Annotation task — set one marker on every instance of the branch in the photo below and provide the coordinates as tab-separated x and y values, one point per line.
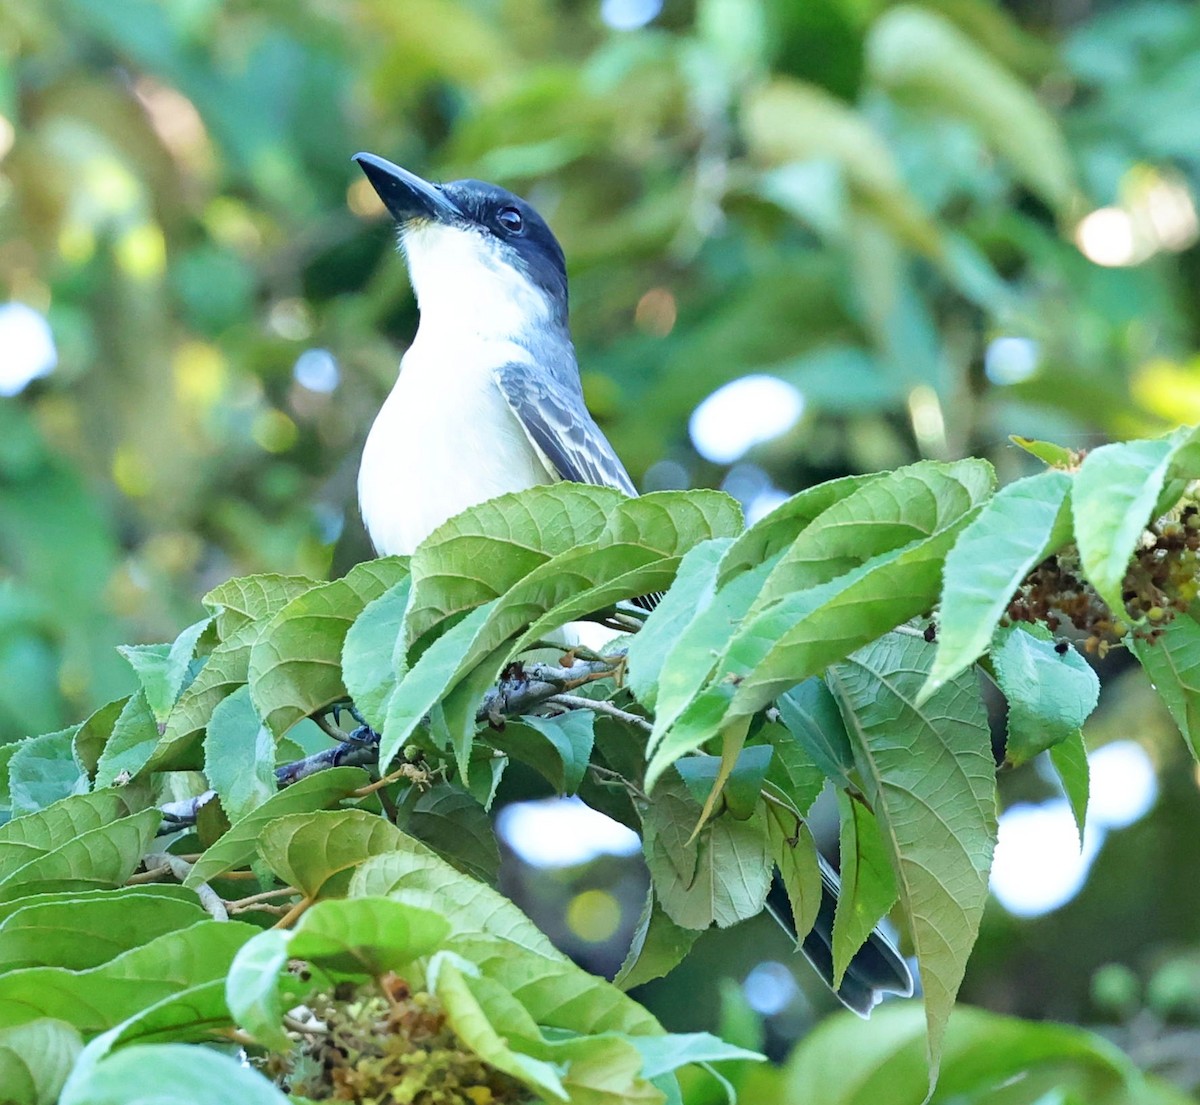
180	868
524	686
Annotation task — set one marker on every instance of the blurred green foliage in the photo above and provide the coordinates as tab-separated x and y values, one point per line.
865	199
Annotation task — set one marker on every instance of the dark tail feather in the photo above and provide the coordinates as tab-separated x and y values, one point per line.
877	967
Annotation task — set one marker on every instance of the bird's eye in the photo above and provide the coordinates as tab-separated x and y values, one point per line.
510	220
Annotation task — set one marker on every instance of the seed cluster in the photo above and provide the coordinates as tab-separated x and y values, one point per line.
378	1045
1160	583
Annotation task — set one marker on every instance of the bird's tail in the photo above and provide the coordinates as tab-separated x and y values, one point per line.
877	967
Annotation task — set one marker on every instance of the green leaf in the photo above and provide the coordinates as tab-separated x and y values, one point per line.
511	949
169	1074
560	748
252	990
191	1014
160	890
237	603
775	531
26	838
604	1070
239	755
1069	758
920	55
94	733
468	1019
479	554
928	774
35	1059
427	681
721	875
811	715
374	650
455	826
1116	493
848	1061
657	948
740	788
242	607
692	592
1023	524
307	850
912	504
868	886
134	738
1050	694
162	669
43	770
296	662
366	935
1057	456
238	845
99	858
84	931
1172	661
792	773
100	997
662	1054
795	854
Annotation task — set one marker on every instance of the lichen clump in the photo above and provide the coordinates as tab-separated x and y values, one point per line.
382	1044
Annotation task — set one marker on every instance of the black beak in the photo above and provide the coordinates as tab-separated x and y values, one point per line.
405	194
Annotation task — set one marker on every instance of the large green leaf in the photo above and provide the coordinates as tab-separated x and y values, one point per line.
1172	661
239	755
888	513
929	776
26	838
658	946
455	826
773	532
811	715
848	1061
128	749
1116	494
920	55
307	850
78	932
100	997
720	875
479	554
868	884
560	748
169	1074
35	1059
43	770
99	858
242	608
691	592
1023	524
555	991
374	651
1050	692
239	845
94	733
161	669
795	854
296	662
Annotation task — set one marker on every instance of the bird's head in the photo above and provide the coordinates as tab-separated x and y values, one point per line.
479	257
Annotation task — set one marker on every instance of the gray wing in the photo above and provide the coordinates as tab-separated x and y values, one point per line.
553	414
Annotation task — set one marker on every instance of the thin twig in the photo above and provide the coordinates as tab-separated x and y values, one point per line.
151	874
292	914
209	898
265	896
577	702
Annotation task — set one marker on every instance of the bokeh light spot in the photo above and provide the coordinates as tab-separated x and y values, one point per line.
316	370
141	252
629	15
770	988
1010	360
1039	865
594	915
656	312
1107	237
27	348
1123	784
274	431
742	414
200	373
563	832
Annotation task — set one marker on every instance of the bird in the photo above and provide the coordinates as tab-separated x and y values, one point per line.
489	400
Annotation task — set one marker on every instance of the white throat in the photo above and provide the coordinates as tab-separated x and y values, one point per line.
465	287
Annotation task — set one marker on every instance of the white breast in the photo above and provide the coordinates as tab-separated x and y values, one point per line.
444	440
